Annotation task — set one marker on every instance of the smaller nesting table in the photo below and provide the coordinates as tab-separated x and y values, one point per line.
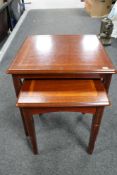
42	96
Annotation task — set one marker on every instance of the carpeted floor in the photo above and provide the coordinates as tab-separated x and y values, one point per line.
62	137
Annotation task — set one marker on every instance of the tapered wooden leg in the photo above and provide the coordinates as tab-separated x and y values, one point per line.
107	80
31	130
96	121
17	86
24	123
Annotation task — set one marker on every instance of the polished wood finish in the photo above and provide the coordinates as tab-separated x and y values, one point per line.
62	93
46	54
41	96
17	85
29	121
62	56
34	110
68	57
96	121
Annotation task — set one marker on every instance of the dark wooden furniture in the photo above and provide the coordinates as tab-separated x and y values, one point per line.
4	21
7	17
41	96
61	57
15	10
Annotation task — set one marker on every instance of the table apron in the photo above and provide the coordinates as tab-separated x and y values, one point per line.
59	76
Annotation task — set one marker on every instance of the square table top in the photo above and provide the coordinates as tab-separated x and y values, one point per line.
44	54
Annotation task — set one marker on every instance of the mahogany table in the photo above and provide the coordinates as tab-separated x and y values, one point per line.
61	57
43	96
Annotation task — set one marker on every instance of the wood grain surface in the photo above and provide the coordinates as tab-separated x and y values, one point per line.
62	93
46	54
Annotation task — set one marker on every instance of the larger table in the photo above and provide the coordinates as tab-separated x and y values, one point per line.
61	57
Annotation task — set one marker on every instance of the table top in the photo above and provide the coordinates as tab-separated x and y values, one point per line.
44	54
62	93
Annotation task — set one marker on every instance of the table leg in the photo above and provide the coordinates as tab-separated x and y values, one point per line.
17	86
107	80
96	121
31	129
